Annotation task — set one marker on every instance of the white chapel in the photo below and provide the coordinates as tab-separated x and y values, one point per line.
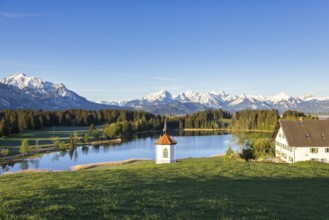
165	148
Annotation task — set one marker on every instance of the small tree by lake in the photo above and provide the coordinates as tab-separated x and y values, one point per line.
4	152
24	148
96	134
71	142
37	147
61	145
230	154
76	138
56	142
85	138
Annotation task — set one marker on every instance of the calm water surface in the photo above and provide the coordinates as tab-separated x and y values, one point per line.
142	147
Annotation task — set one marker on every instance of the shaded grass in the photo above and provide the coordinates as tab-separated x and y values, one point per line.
189	189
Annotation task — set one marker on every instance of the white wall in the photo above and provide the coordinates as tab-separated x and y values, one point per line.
304	154
159	154
282	149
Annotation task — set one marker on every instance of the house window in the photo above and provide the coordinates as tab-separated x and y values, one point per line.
314	150
314	159
165	153
324	160
327	150
279	135
291	159
283	136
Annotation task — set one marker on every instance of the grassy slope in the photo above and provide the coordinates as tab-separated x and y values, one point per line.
191	188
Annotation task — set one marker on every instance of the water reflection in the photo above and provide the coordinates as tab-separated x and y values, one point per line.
24	165
190	144
85	150
35	163
56	157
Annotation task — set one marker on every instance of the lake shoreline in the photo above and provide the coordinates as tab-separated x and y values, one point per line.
109	163
191	144
225	129
20	157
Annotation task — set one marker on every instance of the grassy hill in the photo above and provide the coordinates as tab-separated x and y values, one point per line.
189	189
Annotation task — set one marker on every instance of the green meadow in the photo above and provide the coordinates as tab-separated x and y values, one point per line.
205	188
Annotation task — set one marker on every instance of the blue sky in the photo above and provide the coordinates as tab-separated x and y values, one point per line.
113	50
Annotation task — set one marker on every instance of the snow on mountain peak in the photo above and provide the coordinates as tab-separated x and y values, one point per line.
282	96
21	81
34	85
308	97
19	75
219	93
162	95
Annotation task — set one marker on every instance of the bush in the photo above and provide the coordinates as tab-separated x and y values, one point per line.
61	145
230	154
247	154
24	148
4	152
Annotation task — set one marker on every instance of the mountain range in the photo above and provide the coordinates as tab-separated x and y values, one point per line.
163	102
20	92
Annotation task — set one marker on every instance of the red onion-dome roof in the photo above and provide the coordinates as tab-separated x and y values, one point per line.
165	140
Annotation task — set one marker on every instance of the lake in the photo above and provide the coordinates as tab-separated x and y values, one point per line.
189	144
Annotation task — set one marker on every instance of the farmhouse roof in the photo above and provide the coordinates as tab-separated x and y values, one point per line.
311	133
165	140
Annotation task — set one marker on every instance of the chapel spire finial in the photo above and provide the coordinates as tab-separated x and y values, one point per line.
165	126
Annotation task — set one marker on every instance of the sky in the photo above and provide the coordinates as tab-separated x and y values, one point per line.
115	50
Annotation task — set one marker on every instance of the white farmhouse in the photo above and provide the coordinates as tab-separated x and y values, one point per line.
303	141
165	149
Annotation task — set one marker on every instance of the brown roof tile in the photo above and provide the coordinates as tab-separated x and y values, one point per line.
311	133
165	140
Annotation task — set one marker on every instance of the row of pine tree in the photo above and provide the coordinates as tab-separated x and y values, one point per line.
14	121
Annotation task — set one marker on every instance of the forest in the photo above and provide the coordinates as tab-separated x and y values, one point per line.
14	121
255	120
120	122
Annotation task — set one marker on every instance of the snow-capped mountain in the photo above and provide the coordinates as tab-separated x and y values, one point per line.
114	103
190	101
162	96
205	98
36	87
20	92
